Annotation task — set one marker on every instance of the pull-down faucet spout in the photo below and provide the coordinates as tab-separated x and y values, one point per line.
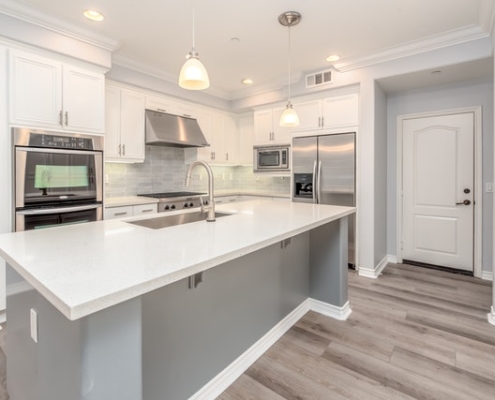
210	207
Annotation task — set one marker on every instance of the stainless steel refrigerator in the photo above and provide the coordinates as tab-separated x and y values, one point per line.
324	172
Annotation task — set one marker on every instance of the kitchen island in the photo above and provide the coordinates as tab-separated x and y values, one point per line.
116	316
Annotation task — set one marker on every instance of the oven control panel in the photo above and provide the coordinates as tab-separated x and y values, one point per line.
61	142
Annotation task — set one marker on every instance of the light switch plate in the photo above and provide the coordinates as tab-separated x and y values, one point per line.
489	187
34	325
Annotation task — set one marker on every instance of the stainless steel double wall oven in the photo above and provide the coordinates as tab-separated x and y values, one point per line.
58	178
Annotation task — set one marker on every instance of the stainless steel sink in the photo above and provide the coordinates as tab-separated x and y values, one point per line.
166	221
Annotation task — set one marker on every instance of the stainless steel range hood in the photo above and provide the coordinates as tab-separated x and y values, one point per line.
170	130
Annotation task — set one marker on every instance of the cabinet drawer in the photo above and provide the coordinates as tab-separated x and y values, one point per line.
145	209
118	212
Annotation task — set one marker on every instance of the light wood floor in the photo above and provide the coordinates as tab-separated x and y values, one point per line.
414	333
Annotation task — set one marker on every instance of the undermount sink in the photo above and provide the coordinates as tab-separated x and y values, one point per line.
167	221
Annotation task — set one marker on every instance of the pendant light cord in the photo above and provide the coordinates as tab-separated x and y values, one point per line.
289	63
193	31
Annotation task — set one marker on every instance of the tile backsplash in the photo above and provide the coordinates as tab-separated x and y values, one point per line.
164	170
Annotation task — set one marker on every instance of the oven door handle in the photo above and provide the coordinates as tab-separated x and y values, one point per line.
58	151
61	210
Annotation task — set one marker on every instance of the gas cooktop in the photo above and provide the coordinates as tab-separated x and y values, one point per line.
167	195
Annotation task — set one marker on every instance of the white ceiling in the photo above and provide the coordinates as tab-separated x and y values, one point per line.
157	34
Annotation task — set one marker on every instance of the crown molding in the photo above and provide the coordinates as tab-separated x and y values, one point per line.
435	42
20	10
486	16
160	74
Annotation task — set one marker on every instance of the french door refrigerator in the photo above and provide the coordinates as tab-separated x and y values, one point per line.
324	172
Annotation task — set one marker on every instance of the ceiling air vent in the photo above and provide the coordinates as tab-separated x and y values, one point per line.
320	78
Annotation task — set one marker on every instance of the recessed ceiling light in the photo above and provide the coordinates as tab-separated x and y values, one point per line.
247	81
436	72
235	40
333	57
93	15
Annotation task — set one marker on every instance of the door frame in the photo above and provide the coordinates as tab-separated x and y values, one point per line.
478	180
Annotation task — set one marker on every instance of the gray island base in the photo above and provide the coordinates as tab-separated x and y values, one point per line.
175	342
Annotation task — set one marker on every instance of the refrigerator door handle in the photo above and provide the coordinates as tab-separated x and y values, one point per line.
318	183
315	183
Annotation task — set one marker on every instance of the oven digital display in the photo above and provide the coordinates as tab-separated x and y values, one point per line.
60	176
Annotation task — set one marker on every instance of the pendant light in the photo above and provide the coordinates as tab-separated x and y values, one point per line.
193	75
289	117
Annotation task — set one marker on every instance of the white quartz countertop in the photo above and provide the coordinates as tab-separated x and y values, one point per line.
82	269
129	201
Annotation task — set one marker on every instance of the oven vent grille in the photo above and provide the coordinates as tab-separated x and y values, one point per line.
319	78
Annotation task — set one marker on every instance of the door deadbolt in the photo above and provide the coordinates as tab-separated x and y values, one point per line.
467	191
464	203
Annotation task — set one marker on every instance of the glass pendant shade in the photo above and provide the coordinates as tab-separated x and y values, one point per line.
289	117
193	75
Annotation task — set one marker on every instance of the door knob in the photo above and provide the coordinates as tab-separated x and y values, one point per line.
464	203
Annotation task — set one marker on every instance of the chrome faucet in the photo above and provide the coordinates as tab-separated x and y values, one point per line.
210	207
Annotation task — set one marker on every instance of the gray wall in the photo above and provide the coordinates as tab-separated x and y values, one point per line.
468	94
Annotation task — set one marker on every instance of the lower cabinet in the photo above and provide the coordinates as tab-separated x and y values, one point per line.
130	211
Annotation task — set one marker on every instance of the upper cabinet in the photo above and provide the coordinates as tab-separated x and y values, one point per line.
124	136
267	129
330	113
245	132
45	93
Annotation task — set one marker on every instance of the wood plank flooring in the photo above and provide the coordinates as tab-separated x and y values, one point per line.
414	333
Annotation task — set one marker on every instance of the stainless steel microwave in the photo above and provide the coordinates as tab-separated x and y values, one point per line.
271	158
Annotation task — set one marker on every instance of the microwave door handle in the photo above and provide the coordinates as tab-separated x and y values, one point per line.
61	210
315	182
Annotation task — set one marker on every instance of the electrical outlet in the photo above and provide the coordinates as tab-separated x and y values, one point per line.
107	179
33	318
223	177
231	176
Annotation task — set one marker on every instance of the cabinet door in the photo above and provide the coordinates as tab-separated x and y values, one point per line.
310	114
112	123
217	144
230	141
204	121
35	91
83	100
341	112
281	134
132	125
156	103
246	140
263	127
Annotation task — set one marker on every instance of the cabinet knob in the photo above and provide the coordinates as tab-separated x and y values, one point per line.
120	149
66	118
60	121
123	149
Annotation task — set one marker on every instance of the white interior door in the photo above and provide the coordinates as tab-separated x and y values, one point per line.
438	190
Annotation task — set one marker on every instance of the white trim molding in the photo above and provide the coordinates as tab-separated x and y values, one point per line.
487	275
224	379
374	273
491	316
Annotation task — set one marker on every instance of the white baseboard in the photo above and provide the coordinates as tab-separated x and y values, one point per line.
339	313
3	317
392	259
487	276
227	377
375	273
491	316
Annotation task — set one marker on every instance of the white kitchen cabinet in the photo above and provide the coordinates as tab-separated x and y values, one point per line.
267	129
221	133
225	199
330	113
245	134
130	211
124	136
341	112
118	212
160	104
45	93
